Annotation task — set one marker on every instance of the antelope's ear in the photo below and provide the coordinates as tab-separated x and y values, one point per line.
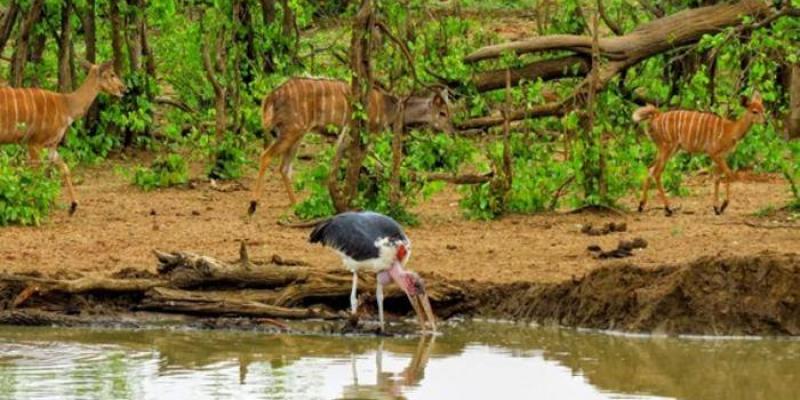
107	65
756	97
744	101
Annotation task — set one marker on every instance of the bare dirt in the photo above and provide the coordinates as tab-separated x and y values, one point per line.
698	273
118	226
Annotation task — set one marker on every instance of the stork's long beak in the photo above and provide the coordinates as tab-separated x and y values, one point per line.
422	307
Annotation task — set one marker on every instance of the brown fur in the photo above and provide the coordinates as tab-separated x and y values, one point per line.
695	132
304	105
39	118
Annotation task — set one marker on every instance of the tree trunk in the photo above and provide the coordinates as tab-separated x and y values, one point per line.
116	36
7	24
268	16
92	117
361	87
20	57
132	38
147	52
211	75
245	33
64	43
35	55
793	120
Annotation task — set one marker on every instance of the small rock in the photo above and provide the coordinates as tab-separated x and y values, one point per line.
195	212
451	247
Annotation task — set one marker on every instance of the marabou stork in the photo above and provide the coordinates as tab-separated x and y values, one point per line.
375	242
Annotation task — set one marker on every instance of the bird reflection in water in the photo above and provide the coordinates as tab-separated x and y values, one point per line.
390	385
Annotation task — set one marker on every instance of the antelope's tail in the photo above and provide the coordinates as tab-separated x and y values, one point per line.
267	114
644	113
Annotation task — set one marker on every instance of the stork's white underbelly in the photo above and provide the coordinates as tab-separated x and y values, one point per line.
384	260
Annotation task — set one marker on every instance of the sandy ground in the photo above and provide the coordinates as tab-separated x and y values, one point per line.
115	228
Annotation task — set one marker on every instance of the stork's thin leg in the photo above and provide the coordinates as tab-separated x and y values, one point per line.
379	296
353	298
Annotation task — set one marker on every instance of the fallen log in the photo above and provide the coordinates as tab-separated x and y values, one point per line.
544	110
221	305
649	39
197	285
564	67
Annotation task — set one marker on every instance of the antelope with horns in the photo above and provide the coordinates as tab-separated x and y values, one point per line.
39	118
698	133
312	105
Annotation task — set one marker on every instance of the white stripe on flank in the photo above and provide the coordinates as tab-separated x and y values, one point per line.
323	112
690	128
16	110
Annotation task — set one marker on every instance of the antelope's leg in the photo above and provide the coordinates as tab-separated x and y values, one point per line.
723	166
264	160
286	171
56	159
34	156
646	185
717	177
657	171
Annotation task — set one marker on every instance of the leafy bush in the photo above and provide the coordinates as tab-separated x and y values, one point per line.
27	196
229	161
163	172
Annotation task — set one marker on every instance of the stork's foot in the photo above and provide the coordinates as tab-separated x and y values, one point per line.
641	206
722	208
252	209
73	207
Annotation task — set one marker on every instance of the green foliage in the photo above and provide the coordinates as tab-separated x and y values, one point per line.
27	196
230	160
313	180
165	171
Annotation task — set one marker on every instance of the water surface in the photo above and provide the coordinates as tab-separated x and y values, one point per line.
470	361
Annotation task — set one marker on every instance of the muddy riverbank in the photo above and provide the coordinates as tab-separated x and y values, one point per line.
712	295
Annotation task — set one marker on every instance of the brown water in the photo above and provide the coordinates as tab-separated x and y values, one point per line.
469	361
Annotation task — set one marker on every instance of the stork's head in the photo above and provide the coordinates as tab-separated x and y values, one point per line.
414	287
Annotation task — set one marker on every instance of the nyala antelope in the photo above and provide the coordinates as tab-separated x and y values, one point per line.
304	105
697	133
39	118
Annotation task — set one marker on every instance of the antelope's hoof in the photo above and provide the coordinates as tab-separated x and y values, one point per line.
73	207
667	211
641	206
252	209
724	206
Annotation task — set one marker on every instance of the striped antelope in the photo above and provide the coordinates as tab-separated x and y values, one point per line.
39	118
312	105
698	133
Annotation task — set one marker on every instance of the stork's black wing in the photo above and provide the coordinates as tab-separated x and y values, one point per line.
355	233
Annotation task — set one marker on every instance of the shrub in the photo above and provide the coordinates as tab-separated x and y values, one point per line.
163	172
27	196
229	161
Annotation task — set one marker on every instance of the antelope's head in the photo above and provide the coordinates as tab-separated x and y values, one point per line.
107	79
755	107
433	111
